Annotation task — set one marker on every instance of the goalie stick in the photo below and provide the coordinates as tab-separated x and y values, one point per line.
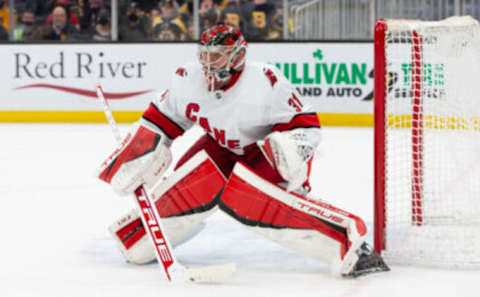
152	222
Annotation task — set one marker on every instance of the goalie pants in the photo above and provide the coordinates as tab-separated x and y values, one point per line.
225	159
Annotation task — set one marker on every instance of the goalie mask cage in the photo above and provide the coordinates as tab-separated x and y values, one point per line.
427	142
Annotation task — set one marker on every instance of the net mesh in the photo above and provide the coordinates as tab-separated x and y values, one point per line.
432	138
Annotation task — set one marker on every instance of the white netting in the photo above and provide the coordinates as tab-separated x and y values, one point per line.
438	225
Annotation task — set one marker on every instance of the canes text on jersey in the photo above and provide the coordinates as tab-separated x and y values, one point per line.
218	134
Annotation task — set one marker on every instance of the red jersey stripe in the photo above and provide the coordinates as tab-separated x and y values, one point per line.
301	120
161	121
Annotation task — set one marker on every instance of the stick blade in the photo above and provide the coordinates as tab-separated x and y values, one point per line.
210	274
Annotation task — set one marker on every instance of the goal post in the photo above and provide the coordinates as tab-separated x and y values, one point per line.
427	141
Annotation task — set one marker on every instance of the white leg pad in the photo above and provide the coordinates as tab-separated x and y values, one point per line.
136	246
184	200
309	227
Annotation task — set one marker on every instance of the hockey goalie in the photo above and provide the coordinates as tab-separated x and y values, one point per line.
253	162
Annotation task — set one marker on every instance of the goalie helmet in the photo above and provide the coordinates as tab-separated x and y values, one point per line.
221	53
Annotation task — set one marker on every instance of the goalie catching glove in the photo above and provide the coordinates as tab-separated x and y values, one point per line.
142	158
289	152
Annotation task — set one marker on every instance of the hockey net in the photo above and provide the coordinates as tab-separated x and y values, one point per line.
427	142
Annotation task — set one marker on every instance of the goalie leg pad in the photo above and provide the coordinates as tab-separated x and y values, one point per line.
184	200
134	244
312	228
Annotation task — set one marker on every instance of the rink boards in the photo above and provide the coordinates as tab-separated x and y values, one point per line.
52	83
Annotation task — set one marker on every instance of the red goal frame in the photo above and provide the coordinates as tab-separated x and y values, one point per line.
380	124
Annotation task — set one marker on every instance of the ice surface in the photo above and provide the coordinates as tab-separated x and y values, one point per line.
54	215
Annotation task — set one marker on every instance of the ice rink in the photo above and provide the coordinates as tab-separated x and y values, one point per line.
55	213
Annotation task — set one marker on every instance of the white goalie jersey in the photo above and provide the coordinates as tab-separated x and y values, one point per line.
259	101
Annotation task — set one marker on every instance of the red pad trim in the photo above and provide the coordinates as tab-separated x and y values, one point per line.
359	224
196	192
144	141
131	233
267	151
161	121
302	120
253	207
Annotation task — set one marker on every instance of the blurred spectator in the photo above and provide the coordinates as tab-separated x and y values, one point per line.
276	26
185	10
41	9
232	14
154	13
3	34
205	5
185	7
220	4
144	5
142	20
169	10
4	15
167	31
168	24
133	25
259	18
59	29
208	14
88	11
23	30
72	17
102	30
19	6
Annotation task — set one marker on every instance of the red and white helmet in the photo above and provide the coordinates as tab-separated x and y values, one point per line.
221	53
